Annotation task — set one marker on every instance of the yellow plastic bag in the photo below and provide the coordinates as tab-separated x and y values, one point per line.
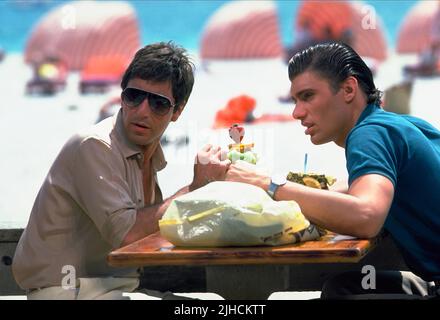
234	214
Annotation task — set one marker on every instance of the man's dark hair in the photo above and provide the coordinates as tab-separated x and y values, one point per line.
335	62
163	61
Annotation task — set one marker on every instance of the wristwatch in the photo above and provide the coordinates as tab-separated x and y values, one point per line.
275	182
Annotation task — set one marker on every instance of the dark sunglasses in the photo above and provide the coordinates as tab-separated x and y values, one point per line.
159	104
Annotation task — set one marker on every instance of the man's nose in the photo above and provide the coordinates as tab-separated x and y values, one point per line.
144	108
298	112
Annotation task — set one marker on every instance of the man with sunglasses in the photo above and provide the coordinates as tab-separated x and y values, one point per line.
102	192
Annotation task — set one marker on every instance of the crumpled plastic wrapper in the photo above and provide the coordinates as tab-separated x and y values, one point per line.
234	214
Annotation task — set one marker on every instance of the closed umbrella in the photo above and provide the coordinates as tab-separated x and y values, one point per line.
324	19
368	40
419	28
342	21
76	31
242	29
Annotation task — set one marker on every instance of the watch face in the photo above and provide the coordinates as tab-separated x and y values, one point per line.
279	179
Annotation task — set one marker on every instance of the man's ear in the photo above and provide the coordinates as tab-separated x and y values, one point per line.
350	88
176	114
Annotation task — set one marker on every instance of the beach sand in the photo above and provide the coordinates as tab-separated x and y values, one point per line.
33	129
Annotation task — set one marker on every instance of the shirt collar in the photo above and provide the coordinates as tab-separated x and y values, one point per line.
130	149
369	109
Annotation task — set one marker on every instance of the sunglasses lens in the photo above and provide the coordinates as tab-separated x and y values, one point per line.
133	97
159	105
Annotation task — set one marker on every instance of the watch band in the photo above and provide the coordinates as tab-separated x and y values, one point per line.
275	182
272	189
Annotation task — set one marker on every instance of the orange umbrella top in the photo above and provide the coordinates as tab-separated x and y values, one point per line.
105	65
342	21
325	19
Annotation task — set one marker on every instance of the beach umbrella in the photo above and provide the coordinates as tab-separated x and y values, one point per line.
76	31
418	28
343	20
242	29
368	39
324	19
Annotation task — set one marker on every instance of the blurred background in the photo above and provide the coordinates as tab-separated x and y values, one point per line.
61	63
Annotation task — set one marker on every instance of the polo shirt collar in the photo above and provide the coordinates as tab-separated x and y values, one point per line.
369	109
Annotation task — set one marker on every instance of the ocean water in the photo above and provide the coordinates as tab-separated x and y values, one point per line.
181	21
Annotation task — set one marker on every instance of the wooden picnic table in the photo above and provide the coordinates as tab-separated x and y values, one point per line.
243	272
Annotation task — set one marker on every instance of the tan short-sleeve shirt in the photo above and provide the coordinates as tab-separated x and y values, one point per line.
85	207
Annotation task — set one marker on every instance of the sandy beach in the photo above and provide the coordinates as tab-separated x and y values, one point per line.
33	129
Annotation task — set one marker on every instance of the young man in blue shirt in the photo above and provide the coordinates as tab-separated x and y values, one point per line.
392	162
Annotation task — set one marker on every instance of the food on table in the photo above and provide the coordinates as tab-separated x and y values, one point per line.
318	181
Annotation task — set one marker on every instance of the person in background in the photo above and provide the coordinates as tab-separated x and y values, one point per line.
392	162
102	192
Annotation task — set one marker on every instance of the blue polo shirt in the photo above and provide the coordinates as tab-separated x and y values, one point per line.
406	150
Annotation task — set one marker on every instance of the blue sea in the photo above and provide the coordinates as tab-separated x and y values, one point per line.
181	21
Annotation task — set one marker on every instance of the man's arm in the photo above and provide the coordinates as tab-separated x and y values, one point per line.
360	212
147	219
340	186
210	165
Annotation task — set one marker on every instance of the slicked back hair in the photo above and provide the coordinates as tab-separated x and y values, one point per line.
160	62
335	62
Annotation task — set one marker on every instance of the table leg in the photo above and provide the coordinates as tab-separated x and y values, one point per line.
247	282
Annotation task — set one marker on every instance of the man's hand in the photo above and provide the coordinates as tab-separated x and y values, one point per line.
211	164
246	173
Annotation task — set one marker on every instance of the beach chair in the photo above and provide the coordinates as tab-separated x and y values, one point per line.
49	77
